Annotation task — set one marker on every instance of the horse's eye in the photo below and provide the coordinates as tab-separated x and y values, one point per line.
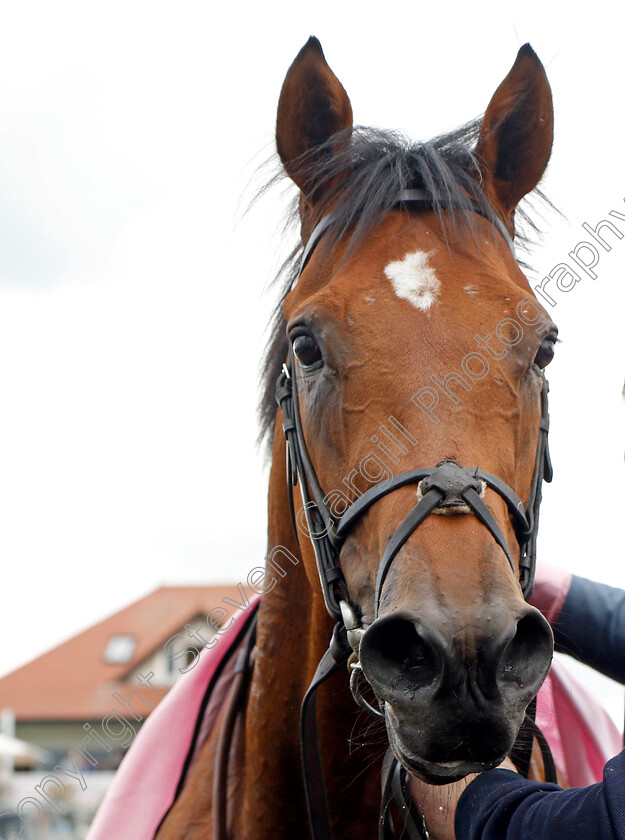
307	351
545	351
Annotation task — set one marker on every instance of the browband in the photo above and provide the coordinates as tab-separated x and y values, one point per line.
413	196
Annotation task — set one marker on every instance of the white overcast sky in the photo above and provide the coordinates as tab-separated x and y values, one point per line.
131	289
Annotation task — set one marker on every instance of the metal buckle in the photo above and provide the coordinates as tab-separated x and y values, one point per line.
353	626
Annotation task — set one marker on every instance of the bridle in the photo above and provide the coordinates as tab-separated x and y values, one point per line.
445	486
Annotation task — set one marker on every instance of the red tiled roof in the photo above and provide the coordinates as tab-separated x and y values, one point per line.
72	682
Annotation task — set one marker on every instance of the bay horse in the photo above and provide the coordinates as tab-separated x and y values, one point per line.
409	353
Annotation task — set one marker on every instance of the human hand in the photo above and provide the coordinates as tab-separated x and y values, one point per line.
437	804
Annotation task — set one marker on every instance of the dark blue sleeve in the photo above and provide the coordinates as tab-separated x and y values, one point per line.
591	627
501	805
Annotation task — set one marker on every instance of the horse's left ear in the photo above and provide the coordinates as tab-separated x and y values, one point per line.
516	136
313	107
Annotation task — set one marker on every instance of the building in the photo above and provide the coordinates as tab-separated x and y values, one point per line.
90	695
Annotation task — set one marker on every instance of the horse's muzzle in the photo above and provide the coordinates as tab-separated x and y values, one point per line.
455	697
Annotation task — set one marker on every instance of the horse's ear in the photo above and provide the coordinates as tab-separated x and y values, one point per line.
313	107
515	139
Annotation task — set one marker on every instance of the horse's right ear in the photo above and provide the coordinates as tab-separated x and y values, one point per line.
313	107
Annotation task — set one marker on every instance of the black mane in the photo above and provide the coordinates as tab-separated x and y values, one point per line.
370	172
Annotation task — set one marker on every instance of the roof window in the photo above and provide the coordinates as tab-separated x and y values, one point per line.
119	649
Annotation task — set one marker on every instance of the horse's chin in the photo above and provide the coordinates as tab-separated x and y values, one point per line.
438	773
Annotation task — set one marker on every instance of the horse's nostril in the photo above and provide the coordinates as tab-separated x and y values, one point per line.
408	662
396	656
527	656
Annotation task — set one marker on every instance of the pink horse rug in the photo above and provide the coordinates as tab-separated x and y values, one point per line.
580	733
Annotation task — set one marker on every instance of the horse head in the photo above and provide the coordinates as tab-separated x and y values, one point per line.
414	340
